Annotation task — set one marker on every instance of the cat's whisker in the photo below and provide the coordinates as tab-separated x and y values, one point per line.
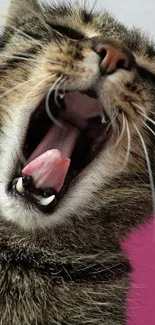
144	115
32	39
56	31
26	35
112	120
128	141
152	185
53	119
48	76
21	32
122	131
139	107
94	5
148	127
148	118
57	91
50	61
30	58
23	83
30	55
17	57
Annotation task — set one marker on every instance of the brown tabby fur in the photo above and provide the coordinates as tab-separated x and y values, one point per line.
74	272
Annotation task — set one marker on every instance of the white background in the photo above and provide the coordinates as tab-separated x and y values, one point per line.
140	13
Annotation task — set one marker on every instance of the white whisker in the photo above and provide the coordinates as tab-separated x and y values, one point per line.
148	166
56	31
40	59
57	90
14	56
53	119
129	142
48	76
149	128
111	120
144	115
142	109
126	124
114	118
122	131
4	16
26	35
21	84
30	58
148	118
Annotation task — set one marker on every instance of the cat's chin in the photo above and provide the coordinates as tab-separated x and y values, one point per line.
63	144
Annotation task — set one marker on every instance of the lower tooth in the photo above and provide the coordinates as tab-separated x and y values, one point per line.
19	186
47	201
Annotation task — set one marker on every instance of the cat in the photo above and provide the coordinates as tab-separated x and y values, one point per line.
76	162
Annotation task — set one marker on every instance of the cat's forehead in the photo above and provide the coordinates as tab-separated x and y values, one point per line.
81	19
28	16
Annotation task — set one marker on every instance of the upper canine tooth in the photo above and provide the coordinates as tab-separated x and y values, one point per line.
62	96
103	119
47	201
19	185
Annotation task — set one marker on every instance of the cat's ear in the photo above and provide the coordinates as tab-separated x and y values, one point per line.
18	8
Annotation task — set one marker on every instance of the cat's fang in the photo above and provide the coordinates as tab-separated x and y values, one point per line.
19	186
103	119
61	96
47	201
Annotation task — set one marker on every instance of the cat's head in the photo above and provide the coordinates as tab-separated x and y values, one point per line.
80	83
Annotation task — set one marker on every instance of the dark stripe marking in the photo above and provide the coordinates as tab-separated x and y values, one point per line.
146	74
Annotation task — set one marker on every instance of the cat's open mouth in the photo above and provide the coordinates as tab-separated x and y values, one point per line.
65	133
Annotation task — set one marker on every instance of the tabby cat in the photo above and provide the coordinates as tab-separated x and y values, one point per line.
77	94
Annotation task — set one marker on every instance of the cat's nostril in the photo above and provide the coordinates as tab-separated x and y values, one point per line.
114	55
103	54
121	64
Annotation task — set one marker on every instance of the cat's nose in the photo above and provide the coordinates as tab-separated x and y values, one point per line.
114	55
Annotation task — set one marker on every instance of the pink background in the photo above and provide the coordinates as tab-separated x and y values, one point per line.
140	249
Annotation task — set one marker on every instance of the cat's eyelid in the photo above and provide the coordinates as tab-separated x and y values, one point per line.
67	32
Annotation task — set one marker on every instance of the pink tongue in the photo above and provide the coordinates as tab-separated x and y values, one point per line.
49	163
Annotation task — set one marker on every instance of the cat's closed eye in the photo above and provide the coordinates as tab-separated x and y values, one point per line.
68	32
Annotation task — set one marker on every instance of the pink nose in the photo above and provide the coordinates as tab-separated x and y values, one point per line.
114	55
